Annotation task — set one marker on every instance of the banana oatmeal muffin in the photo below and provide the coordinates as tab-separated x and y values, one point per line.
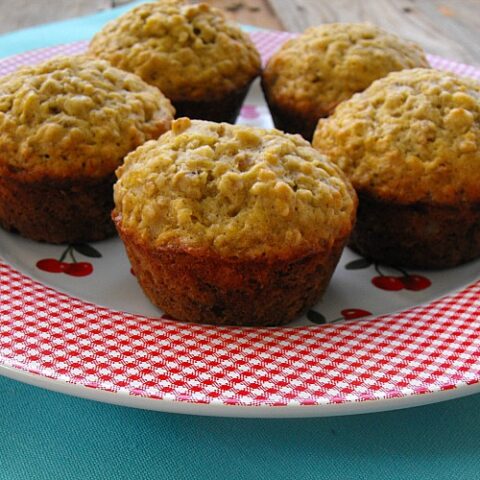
230	224
311	74
200	61
410	144
65	126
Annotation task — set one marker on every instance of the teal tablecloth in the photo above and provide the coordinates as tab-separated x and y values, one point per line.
49	436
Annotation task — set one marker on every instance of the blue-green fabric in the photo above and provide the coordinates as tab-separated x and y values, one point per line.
49	436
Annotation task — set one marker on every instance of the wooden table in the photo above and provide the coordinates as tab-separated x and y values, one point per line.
444	27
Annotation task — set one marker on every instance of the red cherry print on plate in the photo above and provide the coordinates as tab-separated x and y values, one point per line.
387	282
64	266
51	265
80	269
75	269
352	313
415	282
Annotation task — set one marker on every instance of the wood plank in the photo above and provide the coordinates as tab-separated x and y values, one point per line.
444	27
28	13
251	12
25	13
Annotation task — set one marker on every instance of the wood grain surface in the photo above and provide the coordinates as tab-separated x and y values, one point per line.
251	12
444	27
16	14
450	28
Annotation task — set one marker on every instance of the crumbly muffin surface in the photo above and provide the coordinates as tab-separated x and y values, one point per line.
413	136
188	51
327	64
76	116
233	190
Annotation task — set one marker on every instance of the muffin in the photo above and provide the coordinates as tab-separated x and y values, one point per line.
311	74
65	126
410	144
231	224
200	61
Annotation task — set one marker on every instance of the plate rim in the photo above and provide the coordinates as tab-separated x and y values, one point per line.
125	399
223	409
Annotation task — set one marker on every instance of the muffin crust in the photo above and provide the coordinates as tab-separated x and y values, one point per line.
195	285
417	235
58	211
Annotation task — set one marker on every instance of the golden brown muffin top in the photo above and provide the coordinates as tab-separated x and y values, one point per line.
190	52
233	190
413	136
76	116
327	64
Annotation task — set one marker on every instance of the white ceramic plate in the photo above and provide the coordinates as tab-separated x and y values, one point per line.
90	331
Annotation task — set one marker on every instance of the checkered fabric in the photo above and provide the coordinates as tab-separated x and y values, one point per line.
422	350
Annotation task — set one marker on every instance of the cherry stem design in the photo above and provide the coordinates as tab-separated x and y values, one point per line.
403	272
65	253
377	269
398	269
68	251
